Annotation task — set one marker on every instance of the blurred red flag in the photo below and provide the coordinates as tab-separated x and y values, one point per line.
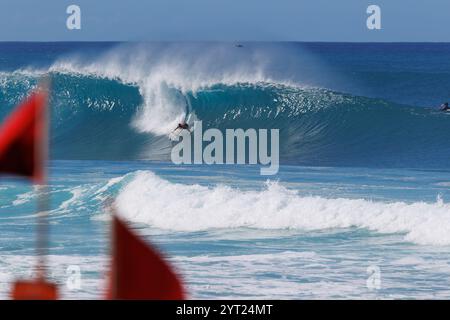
138	271
23	150
23	137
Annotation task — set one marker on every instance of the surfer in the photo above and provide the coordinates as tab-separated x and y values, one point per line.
445	107
182	126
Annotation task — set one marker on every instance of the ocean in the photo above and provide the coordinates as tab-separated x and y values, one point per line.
359	208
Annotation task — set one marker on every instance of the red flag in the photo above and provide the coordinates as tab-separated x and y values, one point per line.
23	138
138	271
23	150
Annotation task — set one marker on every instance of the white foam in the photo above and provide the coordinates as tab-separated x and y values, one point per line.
24	198
77	193
173	206
93	271
99	194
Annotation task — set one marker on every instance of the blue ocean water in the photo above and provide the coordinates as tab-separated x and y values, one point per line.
363	184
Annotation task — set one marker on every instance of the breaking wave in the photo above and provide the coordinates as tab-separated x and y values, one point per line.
149	199
122	106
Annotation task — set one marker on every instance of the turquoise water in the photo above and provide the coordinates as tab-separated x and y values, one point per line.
206	220
363	184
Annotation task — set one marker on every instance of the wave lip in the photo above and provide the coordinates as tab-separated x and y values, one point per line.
149	199
164	74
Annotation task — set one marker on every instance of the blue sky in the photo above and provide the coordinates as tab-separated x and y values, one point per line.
225	20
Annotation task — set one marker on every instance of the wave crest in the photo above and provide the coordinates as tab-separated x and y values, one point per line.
149	199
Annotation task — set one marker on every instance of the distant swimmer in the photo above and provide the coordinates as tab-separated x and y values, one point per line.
445	107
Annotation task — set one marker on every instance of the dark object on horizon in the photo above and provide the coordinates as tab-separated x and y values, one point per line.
445	107
239	45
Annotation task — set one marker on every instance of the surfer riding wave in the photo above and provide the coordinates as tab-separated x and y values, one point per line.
186	124
183	125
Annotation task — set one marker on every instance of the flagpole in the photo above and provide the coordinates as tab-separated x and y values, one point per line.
43	195
27	127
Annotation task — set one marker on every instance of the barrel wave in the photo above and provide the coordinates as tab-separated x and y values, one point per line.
97	117
120	103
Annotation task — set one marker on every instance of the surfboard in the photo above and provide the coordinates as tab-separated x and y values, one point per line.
173	136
